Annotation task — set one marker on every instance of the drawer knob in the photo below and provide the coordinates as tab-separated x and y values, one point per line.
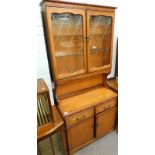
84	116
77	119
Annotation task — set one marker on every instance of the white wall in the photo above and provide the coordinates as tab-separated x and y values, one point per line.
42	62
114	46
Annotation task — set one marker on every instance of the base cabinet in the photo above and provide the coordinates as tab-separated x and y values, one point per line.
97	125
105	121
80	133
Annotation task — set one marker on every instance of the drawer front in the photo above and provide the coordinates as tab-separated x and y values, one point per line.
105	106
79	117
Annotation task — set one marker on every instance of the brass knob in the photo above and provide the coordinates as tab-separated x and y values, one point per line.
84	38
94	47
84	116
88	38
109	106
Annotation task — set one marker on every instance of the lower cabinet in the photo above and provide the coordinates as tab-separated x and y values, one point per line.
105	121
87	125
80	133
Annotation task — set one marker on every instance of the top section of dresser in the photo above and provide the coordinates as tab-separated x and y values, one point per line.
85	100
79	39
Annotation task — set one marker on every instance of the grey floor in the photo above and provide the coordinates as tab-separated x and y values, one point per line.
107	145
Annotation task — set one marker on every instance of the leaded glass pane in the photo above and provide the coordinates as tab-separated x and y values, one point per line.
68	42
100	40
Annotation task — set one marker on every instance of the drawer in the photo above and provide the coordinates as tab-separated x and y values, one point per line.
79	117
105	105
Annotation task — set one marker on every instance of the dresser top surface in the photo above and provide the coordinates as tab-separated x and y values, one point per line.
85	100
77	3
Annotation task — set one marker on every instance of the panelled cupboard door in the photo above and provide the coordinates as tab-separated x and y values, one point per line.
105	121
80	133
100	40
66	30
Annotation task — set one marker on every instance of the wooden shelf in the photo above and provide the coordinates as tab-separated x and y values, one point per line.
63	54
98	50
100	34
68	35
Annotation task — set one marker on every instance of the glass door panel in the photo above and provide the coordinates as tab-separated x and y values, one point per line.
99	45
68	31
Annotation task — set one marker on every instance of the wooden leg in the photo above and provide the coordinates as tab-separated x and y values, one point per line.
38	149
71	153
52	146
63	140
61	145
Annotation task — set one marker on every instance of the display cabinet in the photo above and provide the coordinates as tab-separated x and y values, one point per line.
79	41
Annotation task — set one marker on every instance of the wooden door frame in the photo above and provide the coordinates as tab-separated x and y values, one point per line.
110	14
102	114
48	12
91	121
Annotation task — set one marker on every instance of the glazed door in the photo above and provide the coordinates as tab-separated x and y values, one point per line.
66	30
80	133
99	45
105	121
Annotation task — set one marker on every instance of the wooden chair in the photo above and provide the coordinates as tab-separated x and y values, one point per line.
49	121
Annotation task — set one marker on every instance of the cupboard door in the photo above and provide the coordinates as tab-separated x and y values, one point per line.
105	121
100	40
66	30
80	133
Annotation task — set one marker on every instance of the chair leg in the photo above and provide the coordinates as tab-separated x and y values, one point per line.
52	146
38	150
63	140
